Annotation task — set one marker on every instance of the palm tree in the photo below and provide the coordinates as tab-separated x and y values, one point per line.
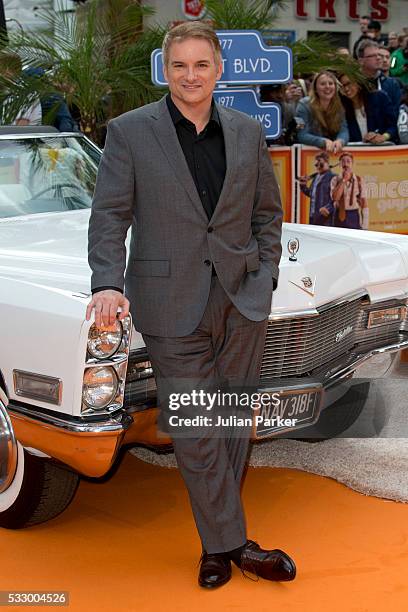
99	60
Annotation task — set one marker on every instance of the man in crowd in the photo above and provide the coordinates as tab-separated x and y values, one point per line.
321	203
393	43
385	60
364	21
206	217
349	197
374	30
370	60
399	60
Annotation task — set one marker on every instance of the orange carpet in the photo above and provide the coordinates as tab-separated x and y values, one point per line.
130	545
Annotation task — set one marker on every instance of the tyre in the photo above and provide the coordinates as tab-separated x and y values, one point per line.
39	491
338	417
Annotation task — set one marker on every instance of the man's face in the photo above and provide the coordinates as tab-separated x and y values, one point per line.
385	59
364	25
322	165
371	62
392	40
192	71
374	33
347	163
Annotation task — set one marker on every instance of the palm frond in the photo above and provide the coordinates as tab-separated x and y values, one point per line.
317	53
244	14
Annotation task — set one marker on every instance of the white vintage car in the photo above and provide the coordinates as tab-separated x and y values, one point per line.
73	398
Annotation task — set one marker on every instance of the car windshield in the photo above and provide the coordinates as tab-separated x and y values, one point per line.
46	174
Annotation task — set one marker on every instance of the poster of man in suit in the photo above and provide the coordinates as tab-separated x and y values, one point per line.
317	187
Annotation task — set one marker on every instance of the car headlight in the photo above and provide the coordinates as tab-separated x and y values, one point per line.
103	343
100	386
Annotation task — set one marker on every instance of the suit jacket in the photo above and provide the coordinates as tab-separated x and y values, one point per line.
322	198
144	181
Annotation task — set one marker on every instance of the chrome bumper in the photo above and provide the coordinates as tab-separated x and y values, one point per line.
89	448
92	447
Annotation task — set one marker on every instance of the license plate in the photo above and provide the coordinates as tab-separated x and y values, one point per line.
286	411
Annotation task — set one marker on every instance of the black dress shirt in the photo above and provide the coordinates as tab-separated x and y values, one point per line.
205	156
204	153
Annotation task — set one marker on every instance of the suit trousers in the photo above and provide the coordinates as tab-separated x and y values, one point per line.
223	353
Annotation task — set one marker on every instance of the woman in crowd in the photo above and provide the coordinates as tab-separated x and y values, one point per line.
369	114
320	116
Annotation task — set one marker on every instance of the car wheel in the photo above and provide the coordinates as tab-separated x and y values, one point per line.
39	491
338	417
33	489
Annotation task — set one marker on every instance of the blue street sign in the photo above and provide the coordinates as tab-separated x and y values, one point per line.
246	101
246	60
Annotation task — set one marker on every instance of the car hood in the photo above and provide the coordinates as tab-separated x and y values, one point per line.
47	249
51	250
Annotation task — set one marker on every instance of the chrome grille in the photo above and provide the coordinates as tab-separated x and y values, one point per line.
300	345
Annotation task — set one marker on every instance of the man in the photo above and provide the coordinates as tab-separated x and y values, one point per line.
370	61
393	43
374	30
348	193
385	60
195	181
321	203
363	22
399	60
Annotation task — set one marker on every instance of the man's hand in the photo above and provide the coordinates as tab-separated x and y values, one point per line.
303	180
106	304
324	211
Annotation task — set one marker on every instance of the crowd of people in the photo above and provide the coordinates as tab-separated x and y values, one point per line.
330	110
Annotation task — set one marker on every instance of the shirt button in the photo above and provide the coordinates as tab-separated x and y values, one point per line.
207	262
204	192
210	229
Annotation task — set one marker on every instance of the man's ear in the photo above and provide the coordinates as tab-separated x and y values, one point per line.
219	70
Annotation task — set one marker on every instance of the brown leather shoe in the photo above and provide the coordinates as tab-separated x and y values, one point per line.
268	564
215	570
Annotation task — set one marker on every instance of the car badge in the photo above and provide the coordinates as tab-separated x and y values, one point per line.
293	247
344	333
308	284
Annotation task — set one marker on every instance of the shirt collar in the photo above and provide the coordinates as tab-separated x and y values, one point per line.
177	115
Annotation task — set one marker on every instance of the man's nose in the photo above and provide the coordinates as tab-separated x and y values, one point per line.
191	73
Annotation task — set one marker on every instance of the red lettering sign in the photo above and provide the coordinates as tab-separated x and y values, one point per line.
300	9
353	9
379	10
193	9
326	9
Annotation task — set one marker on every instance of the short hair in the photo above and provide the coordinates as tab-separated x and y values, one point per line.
374	25
366	17
369	42
346	154
192	29
323	155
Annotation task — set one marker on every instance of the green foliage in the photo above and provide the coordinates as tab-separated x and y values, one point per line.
317	53
98	59
243	14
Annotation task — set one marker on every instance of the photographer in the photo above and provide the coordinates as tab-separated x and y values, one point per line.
399	60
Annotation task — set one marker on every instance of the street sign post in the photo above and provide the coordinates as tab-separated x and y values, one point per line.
246	60
246	101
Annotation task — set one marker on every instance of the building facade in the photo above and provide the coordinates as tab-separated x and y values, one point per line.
339	18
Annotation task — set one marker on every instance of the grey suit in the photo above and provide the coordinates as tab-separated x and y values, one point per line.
144	180
198	328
